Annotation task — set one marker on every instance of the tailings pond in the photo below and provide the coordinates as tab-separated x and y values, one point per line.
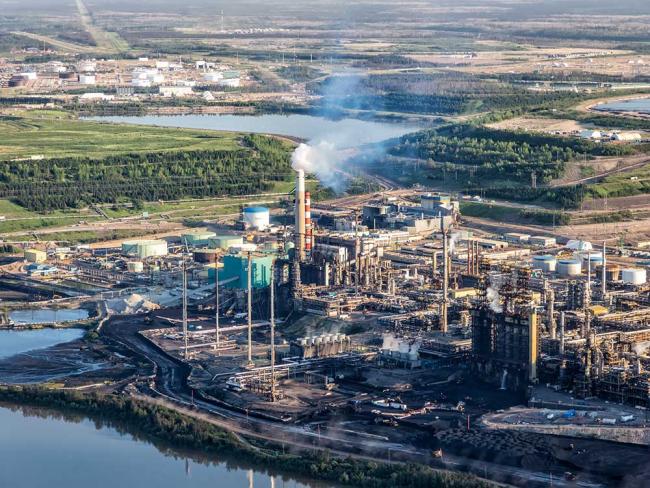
45	449
636	105
13	342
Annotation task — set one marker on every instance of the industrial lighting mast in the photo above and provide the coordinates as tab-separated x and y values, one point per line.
216	313
250	310
185	308
445	277
272	332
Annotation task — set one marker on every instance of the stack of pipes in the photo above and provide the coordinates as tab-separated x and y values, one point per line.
473	254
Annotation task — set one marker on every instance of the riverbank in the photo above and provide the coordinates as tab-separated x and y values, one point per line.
184	432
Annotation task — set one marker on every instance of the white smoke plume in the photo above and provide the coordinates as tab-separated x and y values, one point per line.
322	159
452	242
494	299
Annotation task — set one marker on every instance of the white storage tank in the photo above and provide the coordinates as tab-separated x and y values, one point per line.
546	262
257	217
212	76
569	267
634	276
86	79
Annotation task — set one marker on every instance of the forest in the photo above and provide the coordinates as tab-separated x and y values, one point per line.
65	182
492	154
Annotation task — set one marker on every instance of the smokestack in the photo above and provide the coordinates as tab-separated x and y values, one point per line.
185	309
308	227
300	214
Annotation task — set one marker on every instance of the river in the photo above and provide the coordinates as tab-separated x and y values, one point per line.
42	449
342	132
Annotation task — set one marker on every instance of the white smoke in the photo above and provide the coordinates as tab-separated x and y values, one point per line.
494	299
322	159
452	242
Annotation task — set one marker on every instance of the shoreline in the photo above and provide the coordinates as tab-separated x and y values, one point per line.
185	432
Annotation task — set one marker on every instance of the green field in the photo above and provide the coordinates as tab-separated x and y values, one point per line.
47	137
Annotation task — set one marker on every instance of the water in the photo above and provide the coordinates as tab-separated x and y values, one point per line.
41	449
641	105
345	132
14	342
47	316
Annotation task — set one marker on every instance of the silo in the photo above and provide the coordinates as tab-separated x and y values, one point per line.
634	276
257	217
569	267
546	262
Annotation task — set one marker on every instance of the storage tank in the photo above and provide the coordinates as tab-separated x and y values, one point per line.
569	267
224	241
35	256
595	257
634	276
85	79
144	248
205	255
212	76
197	239
257	217
135	266
547	263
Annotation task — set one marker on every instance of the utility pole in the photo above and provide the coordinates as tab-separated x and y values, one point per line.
185	308
216	313
250	310
273	332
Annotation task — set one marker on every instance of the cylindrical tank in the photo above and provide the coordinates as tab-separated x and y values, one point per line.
634	276
86	79
212	76
569	267
257	217
197	239
205	255
135	266
144	248
546	263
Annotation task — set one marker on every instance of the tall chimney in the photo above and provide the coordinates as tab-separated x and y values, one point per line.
300	215
562	324
308	227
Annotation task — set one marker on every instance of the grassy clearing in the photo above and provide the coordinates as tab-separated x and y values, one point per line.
635	182
26	137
